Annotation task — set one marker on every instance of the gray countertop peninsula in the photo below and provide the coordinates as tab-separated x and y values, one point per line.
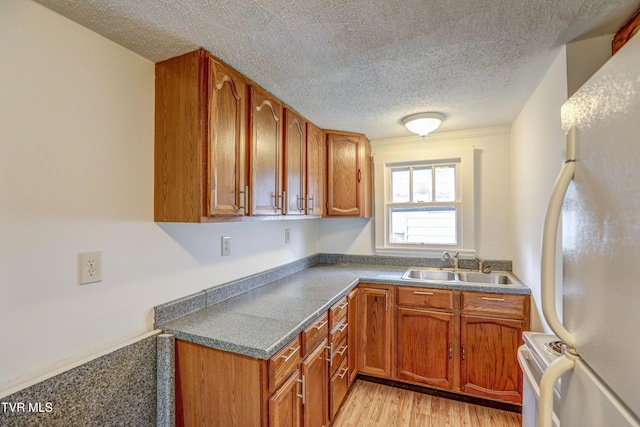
259	322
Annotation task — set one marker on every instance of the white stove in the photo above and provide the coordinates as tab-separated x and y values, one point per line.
538	352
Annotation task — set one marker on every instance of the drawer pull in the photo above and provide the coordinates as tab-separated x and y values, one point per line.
492	299
343	327
344	372
450	351
304	392
422	293
293	351
321	325
342	349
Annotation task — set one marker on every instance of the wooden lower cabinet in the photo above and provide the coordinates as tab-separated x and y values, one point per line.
460	341
425	347
218	388
285	406
375	320
339	387
297	387
489	363
352	335
315	387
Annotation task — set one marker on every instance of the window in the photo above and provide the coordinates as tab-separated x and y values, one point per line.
425	205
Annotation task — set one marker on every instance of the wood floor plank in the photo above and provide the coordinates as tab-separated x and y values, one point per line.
376	405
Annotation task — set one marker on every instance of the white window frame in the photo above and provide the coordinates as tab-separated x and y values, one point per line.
465	200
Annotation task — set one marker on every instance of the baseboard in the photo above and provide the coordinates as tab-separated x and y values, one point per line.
511	407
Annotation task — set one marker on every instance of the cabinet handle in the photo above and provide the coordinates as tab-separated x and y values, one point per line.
246	199
386	301
463	353
343	327
422	293
302	396
293	351
359	175
309	201
330	348
285	203
344	372
450	351
342	349
343	305
492	299
321	325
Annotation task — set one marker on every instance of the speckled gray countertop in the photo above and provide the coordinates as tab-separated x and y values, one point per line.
260	322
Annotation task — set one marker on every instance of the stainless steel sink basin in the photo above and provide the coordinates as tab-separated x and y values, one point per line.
467	277
423	274
495	278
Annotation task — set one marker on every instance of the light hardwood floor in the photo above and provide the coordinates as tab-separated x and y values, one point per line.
375	405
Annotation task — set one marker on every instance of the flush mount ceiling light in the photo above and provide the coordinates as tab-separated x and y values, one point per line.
423	123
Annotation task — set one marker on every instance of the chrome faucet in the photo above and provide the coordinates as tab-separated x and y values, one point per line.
480	262
453	261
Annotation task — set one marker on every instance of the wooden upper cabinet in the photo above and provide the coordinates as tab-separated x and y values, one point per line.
265	118
200	138
315	170
227	141
295	141
348	175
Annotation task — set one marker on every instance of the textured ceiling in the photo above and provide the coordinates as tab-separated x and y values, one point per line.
364	65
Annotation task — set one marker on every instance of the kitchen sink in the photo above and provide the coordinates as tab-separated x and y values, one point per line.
495	278
423	274
418	274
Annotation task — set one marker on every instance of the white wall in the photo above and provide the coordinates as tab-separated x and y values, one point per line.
76	174
537	144
492	195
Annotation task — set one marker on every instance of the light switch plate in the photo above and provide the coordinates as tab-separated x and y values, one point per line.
226	246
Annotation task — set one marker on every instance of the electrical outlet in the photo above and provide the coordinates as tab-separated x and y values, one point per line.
90	267
226	245
287	235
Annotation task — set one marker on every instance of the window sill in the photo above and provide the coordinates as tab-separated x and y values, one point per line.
424	253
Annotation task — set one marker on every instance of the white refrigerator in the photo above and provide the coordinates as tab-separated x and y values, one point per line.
597	197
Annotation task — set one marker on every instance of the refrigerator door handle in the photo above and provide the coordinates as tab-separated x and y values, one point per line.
549	239
551	375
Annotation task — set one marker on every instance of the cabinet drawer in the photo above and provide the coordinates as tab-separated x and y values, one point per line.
284	363
338	355
337	312
338	388
425	298
314	334
500	304
338	333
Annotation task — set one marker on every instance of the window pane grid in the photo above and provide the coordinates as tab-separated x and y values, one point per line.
424	207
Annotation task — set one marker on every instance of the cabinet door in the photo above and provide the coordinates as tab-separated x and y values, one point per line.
266	153
489	365
425	347
315	170
285	405
315	387
227	141
374	356
352	335
338	388
343	175
295	140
